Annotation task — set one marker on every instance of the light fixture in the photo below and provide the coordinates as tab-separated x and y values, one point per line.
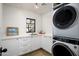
36	5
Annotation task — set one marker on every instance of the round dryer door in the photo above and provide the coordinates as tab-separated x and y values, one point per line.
60	49
64	17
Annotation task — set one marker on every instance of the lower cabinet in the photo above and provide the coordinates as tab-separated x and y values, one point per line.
20	46
35	43
47	43
28	44
12	47
24	45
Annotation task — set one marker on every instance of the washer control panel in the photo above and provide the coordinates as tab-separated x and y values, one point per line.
67	39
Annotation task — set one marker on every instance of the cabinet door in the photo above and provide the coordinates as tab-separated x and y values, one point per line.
12	47
24	45
47	43
35	43
43	43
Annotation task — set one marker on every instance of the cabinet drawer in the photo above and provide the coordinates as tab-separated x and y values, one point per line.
24	42
25	49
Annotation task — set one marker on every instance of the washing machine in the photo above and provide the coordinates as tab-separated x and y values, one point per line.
66	20
65	46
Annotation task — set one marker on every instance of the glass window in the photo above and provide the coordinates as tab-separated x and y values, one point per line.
30	25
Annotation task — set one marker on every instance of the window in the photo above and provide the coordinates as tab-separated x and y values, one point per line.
30	25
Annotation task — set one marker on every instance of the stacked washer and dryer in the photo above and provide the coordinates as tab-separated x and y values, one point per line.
66	30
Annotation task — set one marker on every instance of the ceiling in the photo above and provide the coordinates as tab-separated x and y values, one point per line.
43	8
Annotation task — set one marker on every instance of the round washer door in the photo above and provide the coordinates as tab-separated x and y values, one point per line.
60	49
64	17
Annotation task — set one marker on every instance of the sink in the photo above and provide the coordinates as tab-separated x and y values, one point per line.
32	35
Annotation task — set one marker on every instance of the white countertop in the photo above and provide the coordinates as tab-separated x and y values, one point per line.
11	37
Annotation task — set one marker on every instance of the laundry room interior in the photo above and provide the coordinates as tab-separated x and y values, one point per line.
39	29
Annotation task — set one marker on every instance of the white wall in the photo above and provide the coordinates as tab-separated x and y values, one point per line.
0	20
15	17
0	14
47	23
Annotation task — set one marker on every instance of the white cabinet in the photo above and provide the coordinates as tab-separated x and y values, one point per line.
47	43
28	44
12	47
21	45
24	45
35	43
